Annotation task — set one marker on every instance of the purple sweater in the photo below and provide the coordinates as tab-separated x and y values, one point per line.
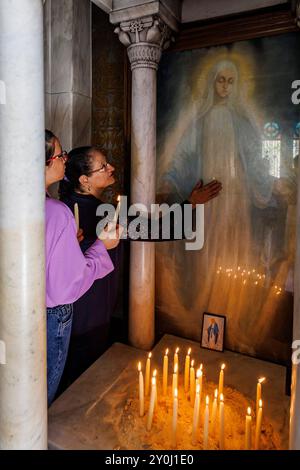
69	272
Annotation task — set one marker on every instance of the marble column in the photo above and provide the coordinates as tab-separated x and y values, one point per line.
145	39
23	381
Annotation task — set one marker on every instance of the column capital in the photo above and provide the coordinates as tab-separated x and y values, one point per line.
145	39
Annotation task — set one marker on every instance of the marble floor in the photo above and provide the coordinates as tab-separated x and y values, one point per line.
81	418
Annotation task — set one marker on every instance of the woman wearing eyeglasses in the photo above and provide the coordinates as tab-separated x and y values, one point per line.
69	272
87	175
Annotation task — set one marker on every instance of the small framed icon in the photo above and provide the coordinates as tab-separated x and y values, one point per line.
213	331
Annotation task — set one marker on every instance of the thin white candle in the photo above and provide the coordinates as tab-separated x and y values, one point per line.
174	417
196	416
206	424
141	390
221	380
214	412
76	214
187	371
117	211
147	374
152	404
248	429
176	358
155	376
165	373
175	379
258	392
258	426
192	383
199	376
221	423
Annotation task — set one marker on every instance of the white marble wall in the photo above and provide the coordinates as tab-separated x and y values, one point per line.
68	77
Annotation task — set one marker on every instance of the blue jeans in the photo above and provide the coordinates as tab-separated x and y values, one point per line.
59	324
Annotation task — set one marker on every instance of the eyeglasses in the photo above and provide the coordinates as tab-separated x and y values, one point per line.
63	156
101	169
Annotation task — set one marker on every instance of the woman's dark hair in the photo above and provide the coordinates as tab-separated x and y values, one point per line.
49	144
79	163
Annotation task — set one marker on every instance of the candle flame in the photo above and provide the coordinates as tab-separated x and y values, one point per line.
216	393
189	351
153	381
175	368
201	366
223	366
150	355
207	400
198	388
167	351
154	373
261	380
199	373
177	349
192	363
119	198
175	393
139	367
222	397
249	411
260	403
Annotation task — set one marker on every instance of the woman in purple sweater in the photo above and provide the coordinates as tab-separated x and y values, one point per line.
69	272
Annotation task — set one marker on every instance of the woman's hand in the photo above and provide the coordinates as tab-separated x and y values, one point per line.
111	235
204	193
80	235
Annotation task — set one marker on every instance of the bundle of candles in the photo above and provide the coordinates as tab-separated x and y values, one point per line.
214	417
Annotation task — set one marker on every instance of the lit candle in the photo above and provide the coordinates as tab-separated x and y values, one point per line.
258	425
221	423
165	373
199	376
147	374
221	380
152	404
248	429
187	371
175	379
76	214
206	424
174	417
117	212
192	383
155	376
141	389
196	416
258	393
176	357
214	412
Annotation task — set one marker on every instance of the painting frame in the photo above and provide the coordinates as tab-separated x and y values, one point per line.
220	321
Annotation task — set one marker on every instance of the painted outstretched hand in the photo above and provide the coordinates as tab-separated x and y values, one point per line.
203	193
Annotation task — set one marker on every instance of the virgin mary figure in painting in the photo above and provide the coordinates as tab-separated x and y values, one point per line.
232	275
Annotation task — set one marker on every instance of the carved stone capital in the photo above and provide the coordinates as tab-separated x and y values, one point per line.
144	55
145	38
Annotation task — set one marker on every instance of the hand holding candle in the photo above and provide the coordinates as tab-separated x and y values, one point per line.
141	389
187	371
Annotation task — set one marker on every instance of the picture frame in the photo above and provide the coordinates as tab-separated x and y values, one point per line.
213	331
